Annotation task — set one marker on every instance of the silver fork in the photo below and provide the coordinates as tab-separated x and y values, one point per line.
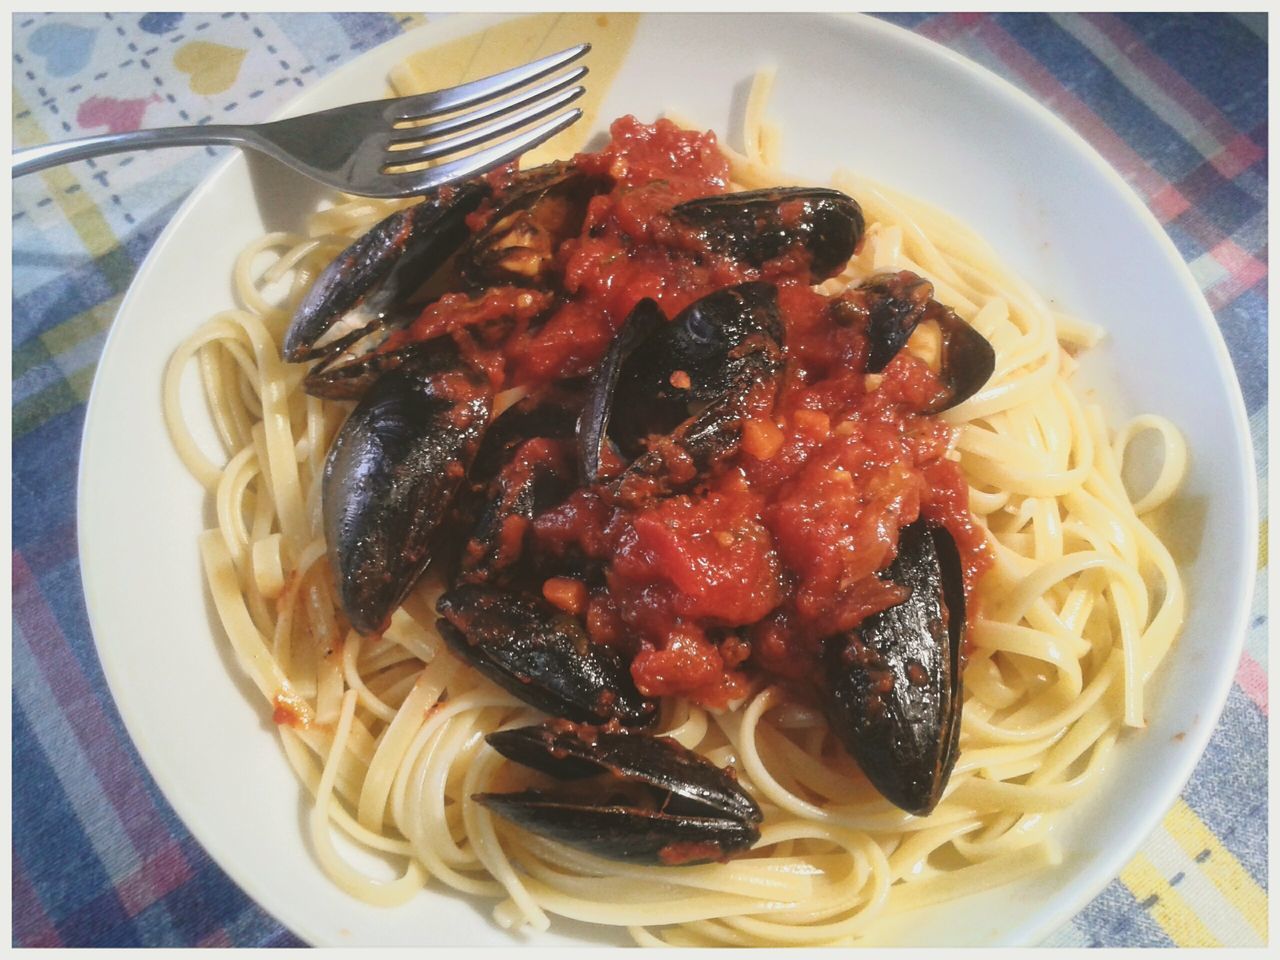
363	148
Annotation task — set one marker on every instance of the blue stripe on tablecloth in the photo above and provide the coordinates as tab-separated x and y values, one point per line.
1228	790
88	284
1192	45
69	294
1242	321
44	476
1076	67
74	876
1114	919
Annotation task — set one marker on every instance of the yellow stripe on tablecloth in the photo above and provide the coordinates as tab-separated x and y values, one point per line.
81	212
1262	543
1165	905
1217	863
97	319
518	41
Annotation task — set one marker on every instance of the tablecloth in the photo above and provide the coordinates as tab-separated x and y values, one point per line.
1177	103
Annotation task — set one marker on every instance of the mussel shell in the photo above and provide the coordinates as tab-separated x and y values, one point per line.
692	451
968	359
621	832
507	485
756	226
389	478
697	787
593	424
892	305
382	268
705	342
551	413
351	371
495	547
892	685
896	305
655	375
540	655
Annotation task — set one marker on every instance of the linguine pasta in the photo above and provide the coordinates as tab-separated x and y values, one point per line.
386	733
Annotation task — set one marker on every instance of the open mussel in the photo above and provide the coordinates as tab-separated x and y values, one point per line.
379	271
756	226
363	296
525	465
626	796
669	398
541	655
892	685
891	306
536	212
391	474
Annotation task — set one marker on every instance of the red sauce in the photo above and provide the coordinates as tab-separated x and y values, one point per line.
779	549
289	711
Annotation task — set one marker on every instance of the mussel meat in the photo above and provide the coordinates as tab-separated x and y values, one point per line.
536	212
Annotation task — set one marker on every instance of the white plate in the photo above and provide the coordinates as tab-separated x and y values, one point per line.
850	92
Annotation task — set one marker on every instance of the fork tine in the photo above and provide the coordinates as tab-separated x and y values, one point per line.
491	131
467	94
487	111
421	181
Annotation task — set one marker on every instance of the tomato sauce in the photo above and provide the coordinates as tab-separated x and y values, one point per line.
779	548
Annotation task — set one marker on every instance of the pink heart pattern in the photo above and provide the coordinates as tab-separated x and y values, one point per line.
118	116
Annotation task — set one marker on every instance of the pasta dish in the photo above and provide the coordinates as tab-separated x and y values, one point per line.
650	539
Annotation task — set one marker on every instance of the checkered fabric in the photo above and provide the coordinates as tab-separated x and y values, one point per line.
1176	103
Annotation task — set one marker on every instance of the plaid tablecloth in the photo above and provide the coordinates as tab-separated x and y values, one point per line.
1177	103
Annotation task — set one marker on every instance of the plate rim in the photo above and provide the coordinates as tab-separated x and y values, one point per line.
1089	881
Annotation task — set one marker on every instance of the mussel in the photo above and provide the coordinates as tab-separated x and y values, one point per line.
390	475
525	465
537	212
892	306
631	796
756	226
892	685
670	398
541	655
380	270
364	294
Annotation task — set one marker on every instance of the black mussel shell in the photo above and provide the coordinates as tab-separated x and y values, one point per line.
621	832
757	226
573	752
389	478
541	655
654	801
892	685
656	375
379	271
968	359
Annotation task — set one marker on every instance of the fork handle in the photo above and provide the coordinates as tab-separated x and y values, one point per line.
52	154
